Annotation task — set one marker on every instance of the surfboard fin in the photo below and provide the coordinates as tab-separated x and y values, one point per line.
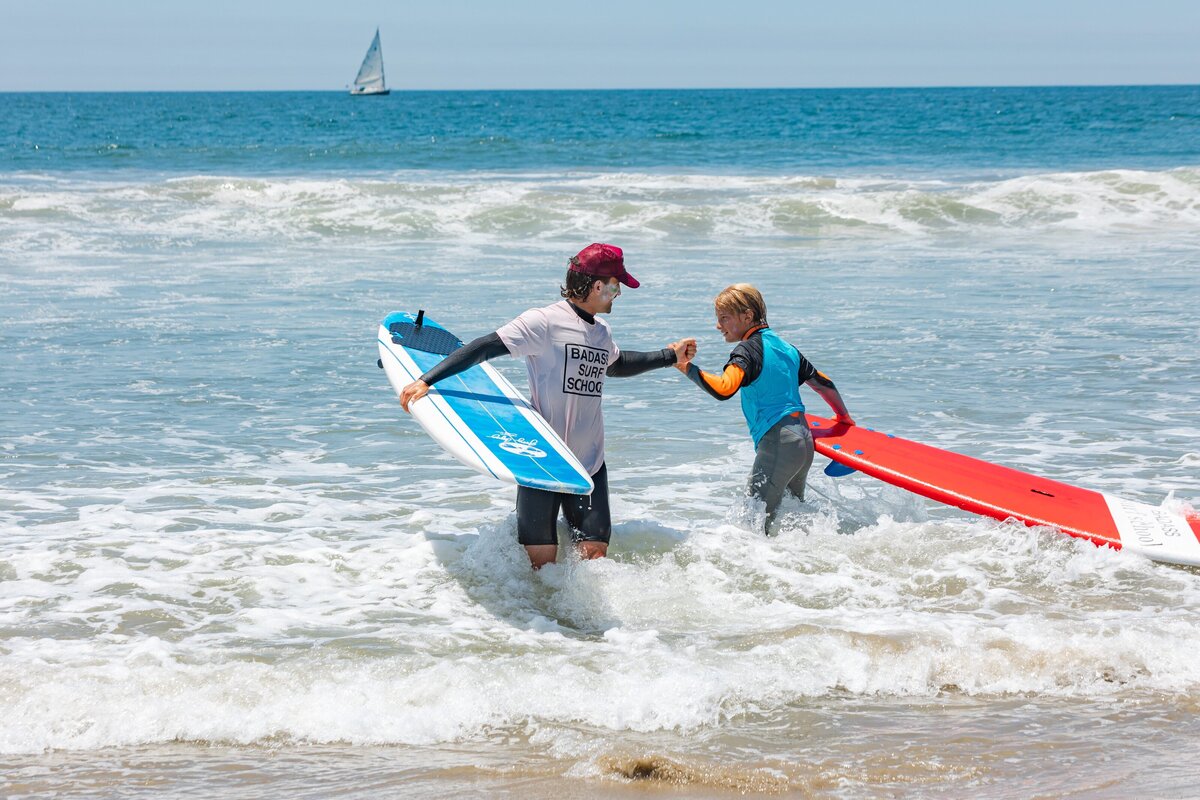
420	318
836	470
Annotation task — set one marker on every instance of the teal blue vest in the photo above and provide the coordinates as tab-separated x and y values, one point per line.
775	393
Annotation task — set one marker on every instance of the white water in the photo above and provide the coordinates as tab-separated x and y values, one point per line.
78	214
220	530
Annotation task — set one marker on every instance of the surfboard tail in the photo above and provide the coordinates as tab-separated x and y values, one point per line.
1003	493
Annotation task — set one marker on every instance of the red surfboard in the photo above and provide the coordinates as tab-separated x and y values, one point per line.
1003	493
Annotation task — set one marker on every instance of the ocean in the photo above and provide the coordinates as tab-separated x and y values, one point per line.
232	567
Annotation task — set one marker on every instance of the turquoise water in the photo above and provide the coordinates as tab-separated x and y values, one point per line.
839	132
232	565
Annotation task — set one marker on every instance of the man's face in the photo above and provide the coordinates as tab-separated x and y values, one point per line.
608	292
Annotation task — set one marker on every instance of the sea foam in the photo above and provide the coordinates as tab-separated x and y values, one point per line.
427	206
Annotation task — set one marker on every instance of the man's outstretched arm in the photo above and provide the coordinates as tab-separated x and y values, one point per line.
633	362
465	357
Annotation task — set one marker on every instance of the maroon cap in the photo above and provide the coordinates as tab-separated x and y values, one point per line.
605	261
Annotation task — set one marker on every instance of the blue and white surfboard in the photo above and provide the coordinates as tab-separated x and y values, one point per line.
477	415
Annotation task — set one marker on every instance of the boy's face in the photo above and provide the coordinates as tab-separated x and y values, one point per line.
733	326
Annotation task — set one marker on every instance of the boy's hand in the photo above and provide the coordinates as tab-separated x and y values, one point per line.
685	351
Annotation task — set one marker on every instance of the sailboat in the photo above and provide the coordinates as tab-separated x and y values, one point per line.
370	74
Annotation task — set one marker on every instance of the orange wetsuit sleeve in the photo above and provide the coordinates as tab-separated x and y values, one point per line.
723	386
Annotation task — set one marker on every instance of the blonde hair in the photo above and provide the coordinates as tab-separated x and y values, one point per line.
740	298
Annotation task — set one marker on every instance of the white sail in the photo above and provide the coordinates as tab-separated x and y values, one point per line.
370	74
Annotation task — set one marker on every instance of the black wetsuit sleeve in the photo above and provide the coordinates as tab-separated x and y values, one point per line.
807	370
465	357
748	355
810	373
633	362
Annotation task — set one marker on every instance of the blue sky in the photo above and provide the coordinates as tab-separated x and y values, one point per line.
73	45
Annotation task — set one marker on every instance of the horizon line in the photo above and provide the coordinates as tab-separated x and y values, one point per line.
394	90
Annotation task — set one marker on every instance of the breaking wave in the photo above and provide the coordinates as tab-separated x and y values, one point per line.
39	211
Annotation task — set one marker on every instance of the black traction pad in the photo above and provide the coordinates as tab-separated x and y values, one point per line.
425	338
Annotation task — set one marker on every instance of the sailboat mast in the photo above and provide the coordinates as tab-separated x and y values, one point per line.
379	50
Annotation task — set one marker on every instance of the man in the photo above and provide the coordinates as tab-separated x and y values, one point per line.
568	351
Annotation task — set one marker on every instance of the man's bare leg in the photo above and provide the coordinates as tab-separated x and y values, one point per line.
589	550
541	554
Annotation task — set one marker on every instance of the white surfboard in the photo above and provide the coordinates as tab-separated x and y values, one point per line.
477	415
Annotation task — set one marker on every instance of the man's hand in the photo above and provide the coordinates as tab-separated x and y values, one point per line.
844	419
685	351
414	391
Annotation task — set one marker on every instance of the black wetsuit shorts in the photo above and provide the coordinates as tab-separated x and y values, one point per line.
588	515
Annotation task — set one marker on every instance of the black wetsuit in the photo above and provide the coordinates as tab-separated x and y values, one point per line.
537	510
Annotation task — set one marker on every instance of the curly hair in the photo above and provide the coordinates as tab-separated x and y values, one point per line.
578	284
